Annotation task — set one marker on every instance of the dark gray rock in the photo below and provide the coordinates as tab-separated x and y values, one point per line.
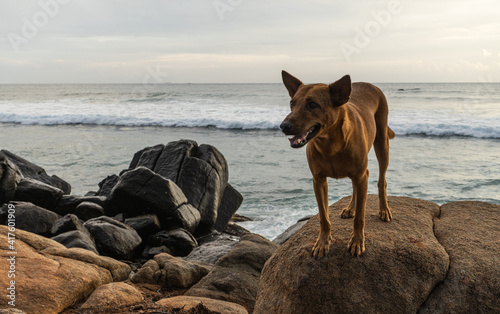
151	252
67	223
30	217
113	238
212	247
38	193
288	233
231	201
32	171
107	185
172	157
235	277
187	217
141	191
145	225
203	189
147	157
76	238
10	176
89	210
179	241
69	203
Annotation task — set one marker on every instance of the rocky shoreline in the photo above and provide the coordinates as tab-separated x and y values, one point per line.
161	237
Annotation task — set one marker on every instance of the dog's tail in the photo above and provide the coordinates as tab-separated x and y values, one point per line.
390	133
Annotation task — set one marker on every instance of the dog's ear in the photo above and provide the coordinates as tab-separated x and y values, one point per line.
340	91
292	83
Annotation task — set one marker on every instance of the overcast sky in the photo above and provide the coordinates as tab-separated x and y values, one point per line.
180	41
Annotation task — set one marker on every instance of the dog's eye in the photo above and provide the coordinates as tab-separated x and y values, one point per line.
291	104
312	105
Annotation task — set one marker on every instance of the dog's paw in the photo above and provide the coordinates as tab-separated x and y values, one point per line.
347	213
356	245
385	215
321	247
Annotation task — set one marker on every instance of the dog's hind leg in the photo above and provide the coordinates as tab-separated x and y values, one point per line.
381	146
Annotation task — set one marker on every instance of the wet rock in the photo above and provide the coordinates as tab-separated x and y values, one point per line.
38	193
76	238
170	272
235	277
402	264
288	233
30	217
179	241
88	210
470	233
113	238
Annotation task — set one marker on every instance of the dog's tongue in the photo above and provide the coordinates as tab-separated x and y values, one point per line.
298	139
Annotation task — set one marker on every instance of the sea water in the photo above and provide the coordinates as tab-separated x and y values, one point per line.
447	145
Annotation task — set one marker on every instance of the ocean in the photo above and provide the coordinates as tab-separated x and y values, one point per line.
447	145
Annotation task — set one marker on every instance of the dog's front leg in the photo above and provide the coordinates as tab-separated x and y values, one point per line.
357	243
322	245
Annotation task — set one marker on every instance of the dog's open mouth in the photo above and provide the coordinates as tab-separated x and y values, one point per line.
298	141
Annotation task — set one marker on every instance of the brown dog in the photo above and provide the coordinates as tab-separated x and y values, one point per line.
341	122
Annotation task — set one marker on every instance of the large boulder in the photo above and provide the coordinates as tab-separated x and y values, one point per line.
402	264
32	171
30	217
113	238
38	193
141	191
170	272
470	233
202	174
76	238
235	277
49	277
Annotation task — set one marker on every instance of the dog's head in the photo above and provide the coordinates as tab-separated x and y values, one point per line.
314	107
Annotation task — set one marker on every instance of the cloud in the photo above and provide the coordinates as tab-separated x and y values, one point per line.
253	40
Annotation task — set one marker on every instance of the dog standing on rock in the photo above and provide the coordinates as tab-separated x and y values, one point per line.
340	122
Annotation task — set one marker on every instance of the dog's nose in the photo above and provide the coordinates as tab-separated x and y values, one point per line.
286	127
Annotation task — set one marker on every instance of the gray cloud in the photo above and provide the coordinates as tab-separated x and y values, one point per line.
248	41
